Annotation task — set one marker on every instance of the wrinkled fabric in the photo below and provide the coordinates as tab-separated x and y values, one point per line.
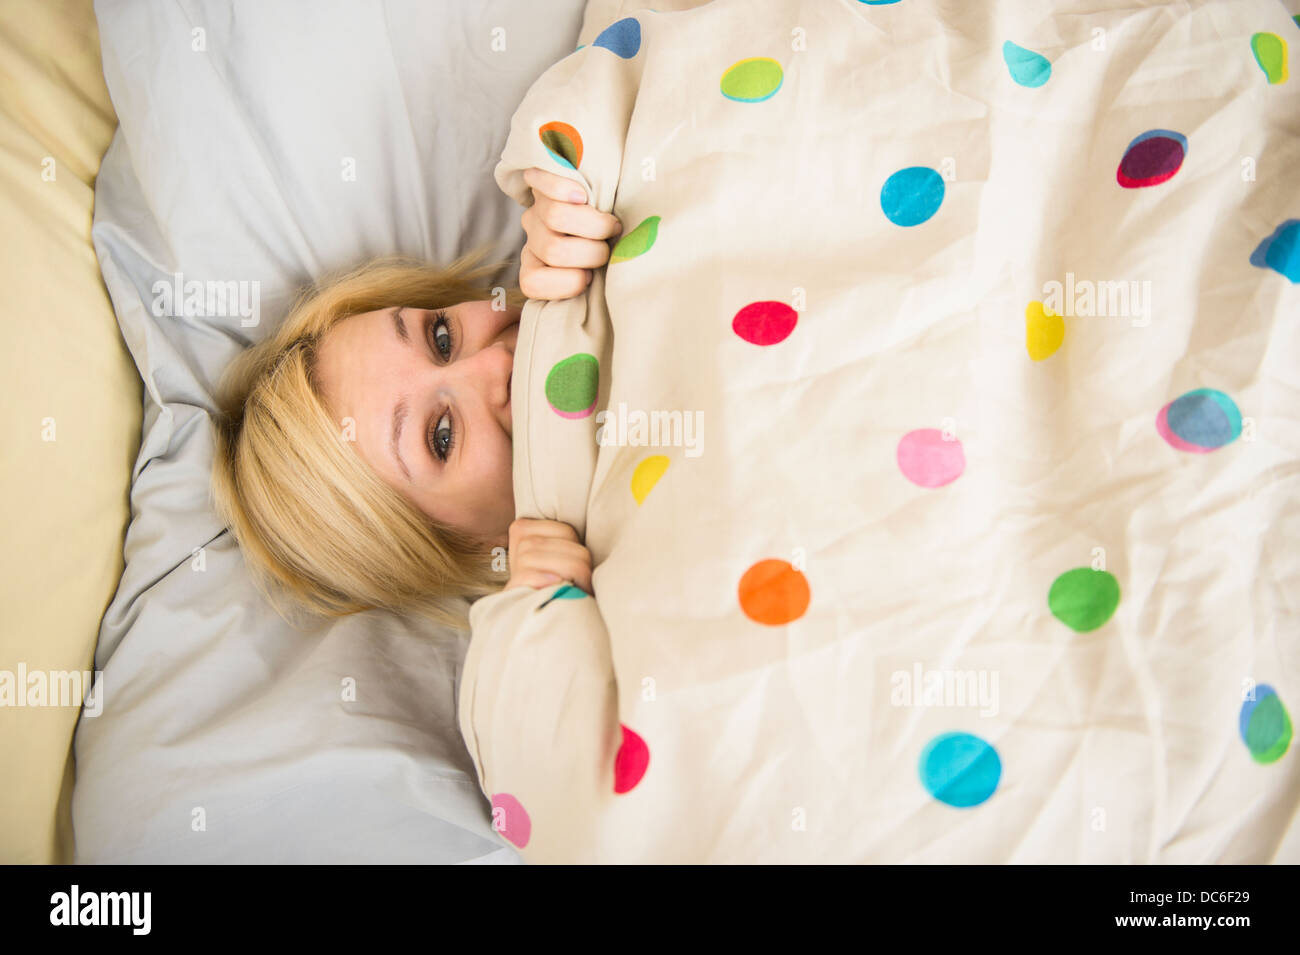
938	480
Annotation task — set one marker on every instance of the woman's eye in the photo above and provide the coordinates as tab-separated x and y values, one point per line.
442	335
441	437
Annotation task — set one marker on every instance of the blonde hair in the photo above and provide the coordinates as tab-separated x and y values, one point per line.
314	521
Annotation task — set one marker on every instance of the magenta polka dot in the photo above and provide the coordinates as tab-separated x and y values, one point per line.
927	459
765	323
510	819
631	762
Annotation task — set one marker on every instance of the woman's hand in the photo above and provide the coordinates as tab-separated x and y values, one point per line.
566	237
544	553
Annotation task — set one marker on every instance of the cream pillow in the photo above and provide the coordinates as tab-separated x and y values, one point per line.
71	404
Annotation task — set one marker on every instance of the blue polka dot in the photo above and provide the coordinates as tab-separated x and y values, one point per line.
1262	692
1205	417
911	196
1281	251
622	38
960	769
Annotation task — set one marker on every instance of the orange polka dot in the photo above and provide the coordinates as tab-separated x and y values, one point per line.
774	592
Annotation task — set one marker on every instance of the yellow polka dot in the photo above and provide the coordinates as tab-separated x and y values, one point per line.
1044	331
647	475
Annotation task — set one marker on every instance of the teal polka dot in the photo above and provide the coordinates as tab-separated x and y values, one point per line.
960	769
1026	67
911	196
565	592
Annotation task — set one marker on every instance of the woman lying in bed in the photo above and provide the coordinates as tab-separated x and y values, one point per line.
363	457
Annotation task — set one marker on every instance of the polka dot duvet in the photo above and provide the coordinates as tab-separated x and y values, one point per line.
935	431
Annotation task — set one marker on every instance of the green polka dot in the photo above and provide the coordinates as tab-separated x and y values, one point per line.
637	242
1083	599
1268	731
752	80
572	385
1270	54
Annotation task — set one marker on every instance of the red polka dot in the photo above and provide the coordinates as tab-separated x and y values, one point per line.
631	762
765	323
510	819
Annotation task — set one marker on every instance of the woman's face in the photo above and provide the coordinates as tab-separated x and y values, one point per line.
429	390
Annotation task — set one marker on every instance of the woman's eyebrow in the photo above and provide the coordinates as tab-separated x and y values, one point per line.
400	326
399	417
401	410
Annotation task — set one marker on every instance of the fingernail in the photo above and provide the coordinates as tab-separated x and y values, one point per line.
577	196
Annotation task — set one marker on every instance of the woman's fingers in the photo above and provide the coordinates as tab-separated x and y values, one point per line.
537	527
543	553
555	186
565	218
538	579
582	579
564	560
567	238
550	553
561	205
538	281
563	249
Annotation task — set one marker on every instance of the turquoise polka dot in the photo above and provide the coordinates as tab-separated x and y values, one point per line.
1280	251
912	195
960	769
1027	67
565	592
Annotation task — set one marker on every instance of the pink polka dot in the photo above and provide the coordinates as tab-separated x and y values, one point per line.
765	323
510	819
574	415
631	762
926	459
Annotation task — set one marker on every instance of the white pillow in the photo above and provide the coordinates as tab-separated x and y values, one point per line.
262	144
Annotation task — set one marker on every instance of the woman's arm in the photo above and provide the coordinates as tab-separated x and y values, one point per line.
538	709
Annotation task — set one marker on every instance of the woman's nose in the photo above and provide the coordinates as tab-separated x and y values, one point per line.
488	372
502	372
